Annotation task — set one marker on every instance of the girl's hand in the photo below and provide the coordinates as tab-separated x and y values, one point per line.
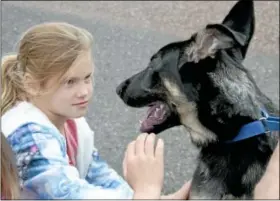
181	194
268	186
144	166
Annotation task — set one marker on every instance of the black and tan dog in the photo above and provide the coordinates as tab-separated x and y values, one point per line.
201	84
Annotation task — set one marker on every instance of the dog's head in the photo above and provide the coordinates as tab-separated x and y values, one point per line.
200	82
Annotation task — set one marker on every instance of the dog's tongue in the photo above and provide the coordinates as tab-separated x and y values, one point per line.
155	116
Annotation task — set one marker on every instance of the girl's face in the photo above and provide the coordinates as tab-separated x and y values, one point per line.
71	98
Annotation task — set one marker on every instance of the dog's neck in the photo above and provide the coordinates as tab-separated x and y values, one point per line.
228	99
207	128
215	121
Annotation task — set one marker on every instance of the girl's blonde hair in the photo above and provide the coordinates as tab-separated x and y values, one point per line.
9	176
45	51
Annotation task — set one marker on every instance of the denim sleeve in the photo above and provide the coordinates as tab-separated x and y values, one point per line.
44	169
101	174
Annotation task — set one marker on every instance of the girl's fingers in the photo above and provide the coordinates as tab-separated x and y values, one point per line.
139	144
149	145
159	150
125	164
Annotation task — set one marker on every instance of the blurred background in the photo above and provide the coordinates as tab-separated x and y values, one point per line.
126	35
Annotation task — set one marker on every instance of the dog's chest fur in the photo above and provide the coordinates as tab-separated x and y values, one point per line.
231	171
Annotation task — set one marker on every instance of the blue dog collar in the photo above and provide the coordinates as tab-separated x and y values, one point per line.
264	125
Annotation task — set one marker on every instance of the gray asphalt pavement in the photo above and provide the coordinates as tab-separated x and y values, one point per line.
126	35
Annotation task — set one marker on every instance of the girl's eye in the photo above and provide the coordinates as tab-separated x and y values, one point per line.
88	78
70	82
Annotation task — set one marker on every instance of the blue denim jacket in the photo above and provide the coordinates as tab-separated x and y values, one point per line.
44	169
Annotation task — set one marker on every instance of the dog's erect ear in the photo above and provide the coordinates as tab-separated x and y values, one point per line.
236	30
208	41
241	22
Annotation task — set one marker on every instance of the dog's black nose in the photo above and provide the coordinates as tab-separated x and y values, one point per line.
119	89
122	88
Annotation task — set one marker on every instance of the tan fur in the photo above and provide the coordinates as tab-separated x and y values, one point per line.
188	114
251	173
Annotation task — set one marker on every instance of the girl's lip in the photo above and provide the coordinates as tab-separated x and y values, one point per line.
81	103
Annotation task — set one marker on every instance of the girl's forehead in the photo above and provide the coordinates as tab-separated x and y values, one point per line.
82	66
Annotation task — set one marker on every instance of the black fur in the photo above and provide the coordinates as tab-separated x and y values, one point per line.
208	74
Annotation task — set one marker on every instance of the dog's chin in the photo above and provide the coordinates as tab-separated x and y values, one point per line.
160	117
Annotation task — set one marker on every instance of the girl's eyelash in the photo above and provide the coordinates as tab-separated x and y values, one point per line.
88	77
71	81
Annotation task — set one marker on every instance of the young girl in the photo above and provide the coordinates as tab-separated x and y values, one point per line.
10	189
46	88
9	176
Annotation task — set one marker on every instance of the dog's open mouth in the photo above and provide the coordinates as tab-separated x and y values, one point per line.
156	115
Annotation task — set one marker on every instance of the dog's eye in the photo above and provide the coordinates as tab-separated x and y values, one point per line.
173	104
155	79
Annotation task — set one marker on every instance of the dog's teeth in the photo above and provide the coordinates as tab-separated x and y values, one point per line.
156	113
